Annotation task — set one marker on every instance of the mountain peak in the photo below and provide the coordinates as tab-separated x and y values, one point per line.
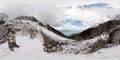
30	18
26	18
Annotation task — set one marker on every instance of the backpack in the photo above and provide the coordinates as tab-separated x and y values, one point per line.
12	40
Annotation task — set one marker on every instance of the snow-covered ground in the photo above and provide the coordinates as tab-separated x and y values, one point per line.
32	49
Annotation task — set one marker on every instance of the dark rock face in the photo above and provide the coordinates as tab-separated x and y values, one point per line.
113	40
2	22
95	31
50	45
3	31
56	31
114	37
97	45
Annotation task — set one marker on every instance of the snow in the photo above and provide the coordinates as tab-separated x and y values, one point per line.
32	49
73	46
51	34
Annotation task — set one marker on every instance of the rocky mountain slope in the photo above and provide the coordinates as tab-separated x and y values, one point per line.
90	33
88	41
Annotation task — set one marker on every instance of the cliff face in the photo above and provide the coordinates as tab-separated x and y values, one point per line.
3	34
56	31
114	37
3	31
95	31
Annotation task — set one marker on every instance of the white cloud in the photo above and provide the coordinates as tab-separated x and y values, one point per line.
45	11
52	11
85	15
89	18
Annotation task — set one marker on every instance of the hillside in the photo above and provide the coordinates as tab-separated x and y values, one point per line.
39	40
92	32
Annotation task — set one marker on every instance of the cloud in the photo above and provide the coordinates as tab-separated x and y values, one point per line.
88	17
95	5
42	10
72	22
83	15
54	11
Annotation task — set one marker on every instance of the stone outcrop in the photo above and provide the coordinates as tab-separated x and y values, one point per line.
96	31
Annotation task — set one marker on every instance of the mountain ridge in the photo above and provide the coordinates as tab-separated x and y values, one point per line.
95	31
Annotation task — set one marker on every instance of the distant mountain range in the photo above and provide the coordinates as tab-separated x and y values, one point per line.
69	32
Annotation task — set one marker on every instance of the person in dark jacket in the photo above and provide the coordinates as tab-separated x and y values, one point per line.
12	43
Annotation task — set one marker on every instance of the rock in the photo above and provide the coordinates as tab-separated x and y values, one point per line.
3	31
96	31
114	37
50	45
97	45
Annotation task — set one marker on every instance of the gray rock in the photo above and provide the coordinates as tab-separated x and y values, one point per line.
3	31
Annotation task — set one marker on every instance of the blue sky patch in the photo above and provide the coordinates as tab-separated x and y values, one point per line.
77	23
96	5
72	22
66	20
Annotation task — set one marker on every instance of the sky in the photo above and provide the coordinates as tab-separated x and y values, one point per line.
63	14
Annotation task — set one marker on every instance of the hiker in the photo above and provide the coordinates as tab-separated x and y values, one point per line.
12	43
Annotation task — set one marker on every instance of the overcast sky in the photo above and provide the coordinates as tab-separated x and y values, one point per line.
55	11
